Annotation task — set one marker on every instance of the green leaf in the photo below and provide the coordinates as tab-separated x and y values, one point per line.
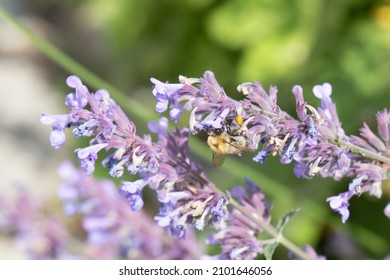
269	250
283	221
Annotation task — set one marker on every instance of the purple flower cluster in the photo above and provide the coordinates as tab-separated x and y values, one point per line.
108	222
104	227
38	235
315	141
185	194
239	235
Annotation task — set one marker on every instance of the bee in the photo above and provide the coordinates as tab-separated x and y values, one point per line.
227	140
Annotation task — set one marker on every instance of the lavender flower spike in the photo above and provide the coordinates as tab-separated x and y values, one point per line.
188	199
315	141
113	230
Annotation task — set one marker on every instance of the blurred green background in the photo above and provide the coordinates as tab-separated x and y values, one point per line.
275	42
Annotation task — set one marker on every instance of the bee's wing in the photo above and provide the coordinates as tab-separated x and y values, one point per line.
218	158
239	148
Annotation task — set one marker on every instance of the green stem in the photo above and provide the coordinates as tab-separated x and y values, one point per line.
268	228
272	231
368	154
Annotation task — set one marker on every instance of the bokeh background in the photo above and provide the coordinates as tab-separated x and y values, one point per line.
275	42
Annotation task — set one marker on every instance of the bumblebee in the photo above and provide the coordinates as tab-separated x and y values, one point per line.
227	140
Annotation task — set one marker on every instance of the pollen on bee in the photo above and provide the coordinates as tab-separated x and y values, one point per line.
239	120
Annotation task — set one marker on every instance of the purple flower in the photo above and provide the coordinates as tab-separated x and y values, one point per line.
203	98
87	157
166	93
57	136
132	191
323	91
78	99
340	204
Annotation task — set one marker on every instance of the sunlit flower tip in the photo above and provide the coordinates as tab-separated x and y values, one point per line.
117	170
340	204
322	91
245	88
201	221
376	189
137	160
387	210
57	137
73	81
312	128
188	81
314	168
